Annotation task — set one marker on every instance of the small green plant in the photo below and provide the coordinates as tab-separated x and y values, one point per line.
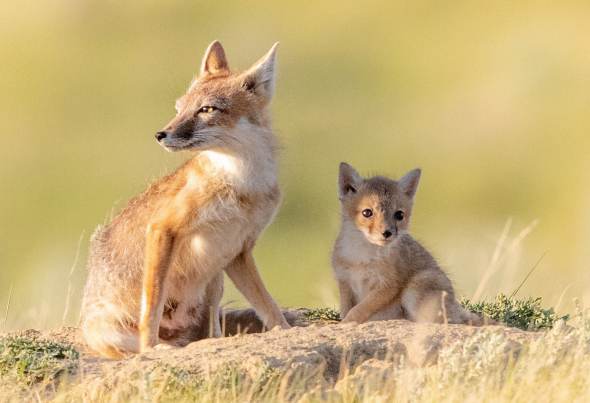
324	315
24	360
525	313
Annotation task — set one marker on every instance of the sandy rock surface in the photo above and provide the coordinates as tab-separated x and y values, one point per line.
314	347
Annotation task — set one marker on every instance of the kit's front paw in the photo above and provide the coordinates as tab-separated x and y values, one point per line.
349	319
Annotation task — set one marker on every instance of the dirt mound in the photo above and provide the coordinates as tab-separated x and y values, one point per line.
307	347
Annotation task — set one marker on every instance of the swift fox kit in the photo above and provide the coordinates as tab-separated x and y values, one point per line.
382	272
156	271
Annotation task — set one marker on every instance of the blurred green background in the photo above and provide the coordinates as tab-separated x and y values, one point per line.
490	99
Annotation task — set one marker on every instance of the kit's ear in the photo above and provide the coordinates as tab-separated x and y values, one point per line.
348	180
409	183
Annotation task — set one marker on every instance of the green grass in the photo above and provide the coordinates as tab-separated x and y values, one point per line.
323	315
524	313
26	361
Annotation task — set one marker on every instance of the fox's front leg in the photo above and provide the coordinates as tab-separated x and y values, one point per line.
243	273
377	300
160	243
347	298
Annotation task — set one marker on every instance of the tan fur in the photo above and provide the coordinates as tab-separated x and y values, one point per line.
382	272
156	271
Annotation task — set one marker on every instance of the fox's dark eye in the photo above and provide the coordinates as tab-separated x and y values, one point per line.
368	213
207	109
399	215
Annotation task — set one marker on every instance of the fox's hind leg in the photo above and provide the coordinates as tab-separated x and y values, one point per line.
110	340
208	325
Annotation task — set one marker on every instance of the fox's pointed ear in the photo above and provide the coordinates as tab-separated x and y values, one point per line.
214	61
260	78
409	183
348	180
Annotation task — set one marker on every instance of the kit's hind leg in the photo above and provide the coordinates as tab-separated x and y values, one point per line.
429	298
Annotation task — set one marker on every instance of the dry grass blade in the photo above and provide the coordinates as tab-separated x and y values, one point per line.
69	294
527	276
493	263
497	258
7	306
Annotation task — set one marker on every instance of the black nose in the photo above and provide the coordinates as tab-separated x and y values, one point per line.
160	136
387	233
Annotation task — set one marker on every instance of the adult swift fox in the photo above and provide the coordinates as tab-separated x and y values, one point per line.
156	271
382	272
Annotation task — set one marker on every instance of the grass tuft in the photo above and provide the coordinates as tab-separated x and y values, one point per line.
523	313
323	315
26	361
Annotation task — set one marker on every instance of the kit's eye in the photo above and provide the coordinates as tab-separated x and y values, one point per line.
399	215
207	109
368	213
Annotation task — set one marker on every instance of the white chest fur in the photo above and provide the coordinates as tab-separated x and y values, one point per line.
365	262
251	162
